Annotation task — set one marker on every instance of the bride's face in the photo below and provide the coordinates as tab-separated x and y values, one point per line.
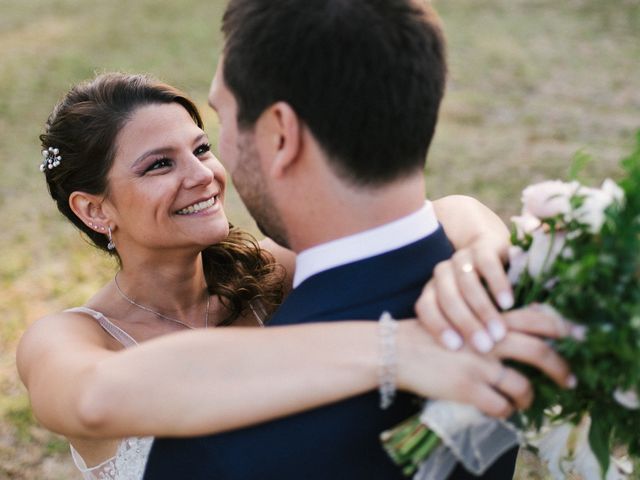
166	188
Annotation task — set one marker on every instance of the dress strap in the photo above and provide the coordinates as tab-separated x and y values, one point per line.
111	328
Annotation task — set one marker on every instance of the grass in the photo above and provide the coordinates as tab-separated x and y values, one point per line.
531	82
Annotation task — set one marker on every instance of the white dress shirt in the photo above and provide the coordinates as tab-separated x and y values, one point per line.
385	238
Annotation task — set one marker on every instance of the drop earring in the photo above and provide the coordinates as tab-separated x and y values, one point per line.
110	245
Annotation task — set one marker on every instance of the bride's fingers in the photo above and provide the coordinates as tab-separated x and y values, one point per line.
476	296
491	269
535	322
515	385
455	309
537	353
430	316
489	401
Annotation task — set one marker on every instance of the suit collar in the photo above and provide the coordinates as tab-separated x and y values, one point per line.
372	242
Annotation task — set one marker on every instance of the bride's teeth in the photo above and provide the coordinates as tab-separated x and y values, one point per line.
197	207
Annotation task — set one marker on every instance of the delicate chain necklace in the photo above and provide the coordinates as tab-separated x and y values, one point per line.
158	314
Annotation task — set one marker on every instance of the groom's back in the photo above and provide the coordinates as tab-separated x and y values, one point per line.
339	441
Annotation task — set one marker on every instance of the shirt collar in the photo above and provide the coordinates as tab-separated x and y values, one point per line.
390	236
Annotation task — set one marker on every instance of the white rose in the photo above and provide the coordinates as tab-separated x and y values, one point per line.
548	199
566	450
525	224
595	202
543	253
627	398
611	188
591	212
517	263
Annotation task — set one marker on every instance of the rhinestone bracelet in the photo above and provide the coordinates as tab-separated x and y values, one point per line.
387	329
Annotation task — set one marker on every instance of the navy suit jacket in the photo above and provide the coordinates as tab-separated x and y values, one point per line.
338	441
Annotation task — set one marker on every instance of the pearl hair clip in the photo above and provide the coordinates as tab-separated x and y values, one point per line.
51	158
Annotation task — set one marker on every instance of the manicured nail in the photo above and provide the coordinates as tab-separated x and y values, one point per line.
572	382
578	332
482	341
505	300
496	330
451	339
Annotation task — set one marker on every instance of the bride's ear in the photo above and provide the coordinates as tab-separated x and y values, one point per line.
278	138
90	209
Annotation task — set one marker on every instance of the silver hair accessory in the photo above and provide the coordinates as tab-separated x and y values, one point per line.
51	159
110	245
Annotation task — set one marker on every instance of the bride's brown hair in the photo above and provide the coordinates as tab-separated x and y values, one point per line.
84	126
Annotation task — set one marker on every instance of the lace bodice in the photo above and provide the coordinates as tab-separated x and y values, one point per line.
127	464
131	458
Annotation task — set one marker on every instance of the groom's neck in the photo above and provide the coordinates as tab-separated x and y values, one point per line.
340	210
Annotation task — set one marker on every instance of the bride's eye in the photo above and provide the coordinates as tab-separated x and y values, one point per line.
202	149
158	164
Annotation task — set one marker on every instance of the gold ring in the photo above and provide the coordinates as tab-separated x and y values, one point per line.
500	377
467	267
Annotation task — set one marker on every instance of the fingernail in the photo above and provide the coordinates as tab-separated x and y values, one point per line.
578	332
572	382
505	300
451	340
496	330
482	341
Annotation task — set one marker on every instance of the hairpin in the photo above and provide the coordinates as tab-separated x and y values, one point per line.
51	158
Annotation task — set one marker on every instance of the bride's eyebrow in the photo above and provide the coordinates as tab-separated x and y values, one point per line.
164	150
148	153
201	137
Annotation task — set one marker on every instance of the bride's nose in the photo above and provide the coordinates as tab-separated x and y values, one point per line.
197	173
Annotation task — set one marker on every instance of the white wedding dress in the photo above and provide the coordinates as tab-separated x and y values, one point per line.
131	457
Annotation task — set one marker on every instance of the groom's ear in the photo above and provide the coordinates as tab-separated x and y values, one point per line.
278	138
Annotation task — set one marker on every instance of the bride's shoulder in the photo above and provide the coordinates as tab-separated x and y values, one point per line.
66	330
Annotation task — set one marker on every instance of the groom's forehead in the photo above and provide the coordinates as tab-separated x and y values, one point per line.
217	84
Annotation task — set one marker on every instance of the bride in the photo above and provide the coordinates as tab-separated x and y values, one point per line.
126	160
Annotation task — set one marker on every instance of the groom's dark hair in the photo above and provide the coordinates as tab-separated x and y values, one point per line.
366	76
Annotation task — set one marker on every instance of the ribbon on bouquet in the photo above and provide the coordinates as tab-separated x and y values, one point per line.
467	436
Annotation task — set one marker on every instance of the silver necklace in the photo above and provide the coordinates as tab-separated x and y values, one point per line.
158	314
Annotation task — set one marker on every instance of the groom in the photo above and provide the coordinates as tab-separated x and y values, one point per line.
327	109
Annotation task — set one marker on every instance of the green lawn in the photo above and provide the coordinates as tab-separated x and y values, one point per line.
531	82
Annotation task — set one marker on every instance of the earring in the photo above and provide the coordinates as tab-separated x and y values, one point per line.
110	245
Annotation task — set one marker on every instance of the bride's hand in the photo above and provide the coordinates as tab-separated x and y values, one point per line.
456	308
429	370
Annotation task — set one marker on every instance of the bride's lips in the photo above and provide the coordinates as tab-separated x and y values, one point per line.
199	206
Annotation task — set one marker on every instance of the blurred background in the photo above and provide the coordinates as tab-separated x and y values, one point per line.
531	83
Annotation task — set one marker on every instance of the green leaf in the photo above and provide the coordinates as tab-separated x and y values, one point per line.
599	434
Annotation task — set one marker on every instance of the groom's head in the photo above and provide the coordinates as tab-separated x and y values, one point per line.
362	79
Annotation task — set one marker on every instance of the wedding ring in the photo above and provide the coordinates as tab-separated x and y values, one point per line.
467	267
500	377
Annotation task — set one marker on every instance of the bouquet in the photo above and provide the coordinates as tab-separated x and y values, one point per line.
577	250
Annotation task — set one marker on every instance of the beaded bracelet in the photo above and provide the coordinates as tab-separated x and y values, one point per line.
388	327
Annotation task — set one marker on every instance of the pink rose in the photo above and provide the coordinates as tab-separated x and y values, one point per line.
548	199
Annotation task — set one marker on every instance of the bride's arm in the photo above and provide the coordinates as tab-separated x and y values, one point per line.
209	381
465	221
